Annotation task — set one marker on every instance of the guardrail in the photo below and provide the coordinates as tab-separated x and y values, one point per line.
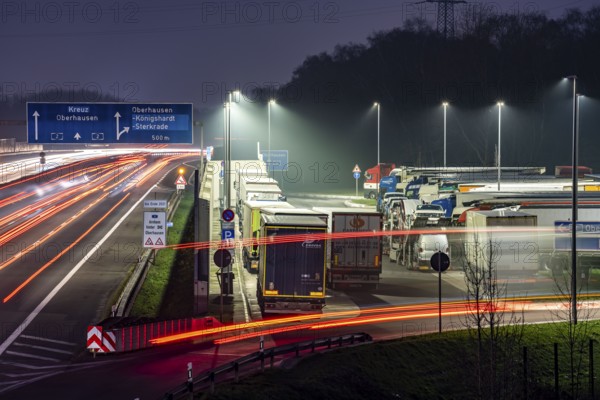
209	378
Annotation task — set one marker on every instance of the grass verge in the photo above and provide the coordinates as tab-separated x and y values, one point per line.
167	291
426	367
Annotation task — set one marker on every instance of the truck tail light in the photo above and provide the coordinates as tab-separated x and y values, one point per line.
376	260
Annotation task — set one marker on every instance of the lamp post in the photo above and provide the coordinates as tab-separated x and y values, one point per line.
228	149
575	183
500	104
376	104
271	102
445	104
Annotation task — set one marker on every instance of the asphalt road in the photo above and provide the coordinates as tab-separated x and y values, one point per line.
71	266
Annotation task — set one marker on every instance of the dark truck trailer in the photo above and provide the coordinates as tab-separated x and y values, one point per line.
353	261
291	274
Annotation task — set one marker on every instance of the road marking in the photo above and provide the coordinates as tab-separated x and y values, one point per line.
31	346
14	353
21	328
48	340
23	374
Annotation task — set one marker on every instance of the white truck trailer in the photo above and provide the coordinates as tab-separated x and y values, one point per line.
353	261
508	239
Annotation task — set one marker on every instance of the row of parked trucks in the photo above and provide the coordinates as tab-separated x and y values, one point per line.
524	228
298	252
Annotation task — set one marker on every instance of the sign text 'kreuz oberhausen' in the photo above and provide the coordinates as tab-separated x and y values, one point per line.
103	123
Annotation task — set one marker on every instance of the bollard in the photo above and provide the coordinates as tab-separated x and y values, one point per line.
312	347
236	368
297	351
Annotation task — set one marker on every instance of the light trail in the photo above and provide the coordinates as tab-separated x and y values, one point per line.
65	250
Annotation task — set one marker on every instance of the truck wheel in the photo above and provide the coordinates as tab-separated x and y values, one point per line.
371	195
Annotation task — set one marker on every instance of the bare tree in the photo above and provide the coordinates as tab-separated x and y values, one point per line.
574	333
497	332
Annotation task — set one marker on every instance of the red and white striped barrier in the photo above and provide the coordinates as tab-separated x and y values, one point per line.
100	341
136	337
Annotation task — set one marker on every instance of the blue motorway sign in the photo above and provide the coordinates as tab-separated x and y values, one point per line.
588	235
103	123
276	160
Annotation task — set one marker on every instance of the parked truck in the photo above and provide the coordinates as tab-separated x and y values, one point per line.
507	239
554	247
357	260
291	273
250	229
372	177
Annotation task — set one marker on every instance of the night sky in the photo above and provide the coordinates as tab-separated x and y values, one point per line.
182	50
190	51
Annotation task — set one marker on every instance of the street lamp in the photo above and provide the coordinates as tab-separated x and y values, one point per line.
445	104
376	104
228	148
575	184
271	102
500	104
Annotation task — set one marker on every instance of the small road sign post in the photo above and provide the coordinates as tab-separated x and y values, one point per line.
180	183
440	262
356	174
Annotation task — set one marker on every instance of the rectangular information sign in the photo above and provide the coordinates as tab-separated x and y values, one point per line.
588	235
105	123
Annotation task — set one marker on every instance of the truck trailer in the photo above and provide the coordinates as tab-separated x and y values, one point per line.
555	246
508	239
291	273
357	260
250	229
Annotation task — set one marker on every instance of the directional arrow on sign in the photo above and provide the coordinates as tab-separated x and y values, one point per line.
125	130
35	116
77	136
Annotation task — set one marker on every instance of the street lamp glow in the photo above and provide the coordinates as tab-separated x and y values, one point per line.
181	171
445	104
376	104
500	104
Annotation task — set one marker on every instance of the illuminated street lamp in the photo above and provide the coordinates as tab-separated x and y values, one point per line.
376	104
445	104
500	104
271	102
228	148
575	184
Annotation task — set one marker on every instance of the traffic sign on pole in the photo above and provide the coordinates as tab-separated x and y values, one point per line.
222	258
155	229
228	215
440	261
103	123
356	168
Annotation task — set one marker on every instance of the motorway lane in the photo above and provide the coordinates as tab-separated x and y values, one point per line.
57	335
